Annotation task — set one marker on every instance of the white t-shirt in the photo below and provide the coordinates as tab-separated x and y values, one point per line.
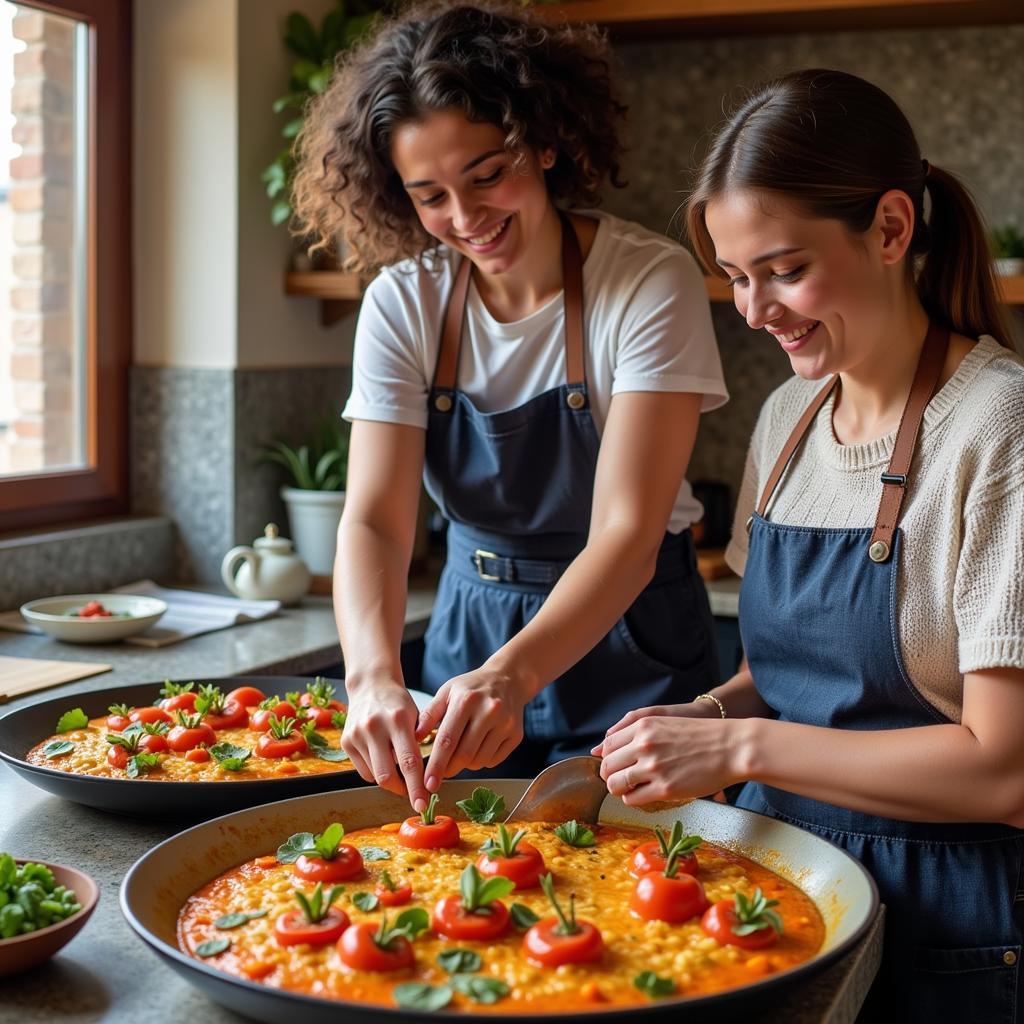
646	317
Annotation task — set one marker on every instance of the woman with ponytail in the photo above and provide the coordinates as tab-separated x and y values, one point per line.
880	536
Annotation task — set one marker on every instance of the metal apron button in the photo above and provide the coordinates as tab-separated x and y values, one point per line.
443	403
879	551
575	400
1009	958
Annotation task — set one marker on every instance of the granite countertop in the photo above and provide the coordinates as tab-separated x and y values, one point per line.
106	973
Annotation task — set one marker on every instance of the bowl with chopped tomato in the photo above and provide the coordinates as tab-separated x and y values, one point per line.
93	618
342	906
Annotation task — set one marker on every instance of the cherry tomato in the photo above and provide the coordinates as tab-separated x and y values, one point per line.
648	857
180	702
546	947
118	723
197	755
233	716
396	897
442	832
452	920
150	715
346	864
268	746
320	717
657	898
154	743
292	927
247	696
260	720
524	868
117	756
181	738
332	705
718	922
358	950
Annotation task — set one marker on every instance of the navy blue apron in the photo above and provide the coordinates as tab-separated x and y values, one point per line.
517	488
818	620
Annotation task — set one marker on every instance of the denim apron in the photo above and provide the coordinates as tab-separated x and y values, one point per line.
818	623
517	488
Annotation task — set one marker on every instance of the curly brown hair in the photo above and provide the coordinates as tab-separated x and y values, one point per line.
544	85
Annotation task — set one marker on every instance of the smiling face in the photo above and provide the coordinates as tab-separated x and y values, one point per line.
467	192
818	290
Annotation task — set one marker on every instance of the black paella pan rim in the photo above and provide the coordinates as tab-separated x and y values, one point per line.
840	886
24	727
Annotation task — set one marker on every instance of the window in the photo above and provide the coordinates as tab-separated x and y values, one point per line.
65	314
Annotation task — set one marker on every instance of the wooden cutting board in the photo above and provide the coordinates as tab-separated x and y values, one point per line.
19	676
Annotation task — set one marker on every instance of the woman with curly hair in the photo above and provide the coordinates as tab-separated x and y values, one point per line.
531	363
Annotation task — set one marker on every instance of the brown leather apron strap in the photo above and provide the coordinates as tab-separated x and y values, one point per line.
894	479
446	368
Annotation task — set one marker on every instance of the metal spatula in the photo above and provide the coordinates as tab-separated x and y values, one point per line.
569	789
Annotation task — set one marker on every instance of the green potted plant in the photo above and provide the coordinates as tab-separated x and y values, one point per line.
1008	250
316	51
315	493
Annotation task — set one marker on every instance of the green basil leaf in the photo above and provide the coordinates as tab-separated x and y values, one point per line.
495	888
652	986
365	901
141	763
371	853
415	996
338	719
484	806
294	847
522	916
329	840
314	740
211	947
480	990
238	918
329	753
55	748
572	833
222	751
75	719
413	920
459	961
135	729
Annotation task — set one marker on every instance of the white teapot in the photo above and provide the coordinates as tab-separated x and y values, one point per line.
271	571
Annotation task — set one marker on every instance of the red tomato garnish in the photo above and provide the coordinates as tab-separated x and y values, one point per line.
197	755
320	717
268	746
332	705
292	927
546	946
181	738
150	715
358	950
524	868
118	723
347	863
247	696
154	743
117	757
233	716
657	898
648	857
451	919
720	920
260	720
442	832
180	702
396	897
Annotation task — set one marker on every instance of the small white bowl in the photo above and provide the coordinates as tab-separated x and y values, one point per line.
51	614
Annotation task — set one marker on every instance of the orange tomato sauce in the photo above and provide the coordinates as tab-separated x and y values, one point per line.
598	876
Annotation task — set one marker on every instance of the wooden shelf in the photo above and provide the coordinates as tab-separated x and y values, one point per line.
340	293
645	18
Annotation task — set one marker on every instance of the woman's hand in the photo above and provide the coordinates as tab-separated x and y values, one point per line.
695	709
380	734
479	722
670	758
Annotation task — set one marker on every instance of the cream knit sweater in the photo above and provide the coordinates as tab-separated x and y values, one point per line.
960	581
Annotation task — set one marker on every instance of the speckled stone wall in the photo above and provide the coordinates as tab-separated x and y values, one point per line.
196	439
963	90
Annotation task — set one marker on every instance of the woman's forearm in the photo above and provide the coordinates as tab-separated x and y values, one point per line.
931	773
370	593
739	696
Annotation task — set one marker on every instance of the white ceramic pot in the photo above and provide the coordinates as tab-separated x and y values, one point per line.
314	518
270	571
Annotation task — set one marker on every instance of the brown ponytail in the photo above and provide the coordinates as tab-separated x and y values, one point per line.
834	144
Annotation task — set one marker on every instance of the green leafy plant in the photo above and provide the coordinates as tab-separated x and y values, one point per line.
76	719
572	833
1007	243
484	806
316	51
320	465
324	845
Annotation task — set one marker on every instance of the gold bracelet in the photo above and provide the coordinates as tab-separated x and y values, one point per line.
714	700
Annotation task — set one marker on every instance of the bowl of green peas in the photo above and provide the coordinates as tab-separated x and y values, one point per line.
42	908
